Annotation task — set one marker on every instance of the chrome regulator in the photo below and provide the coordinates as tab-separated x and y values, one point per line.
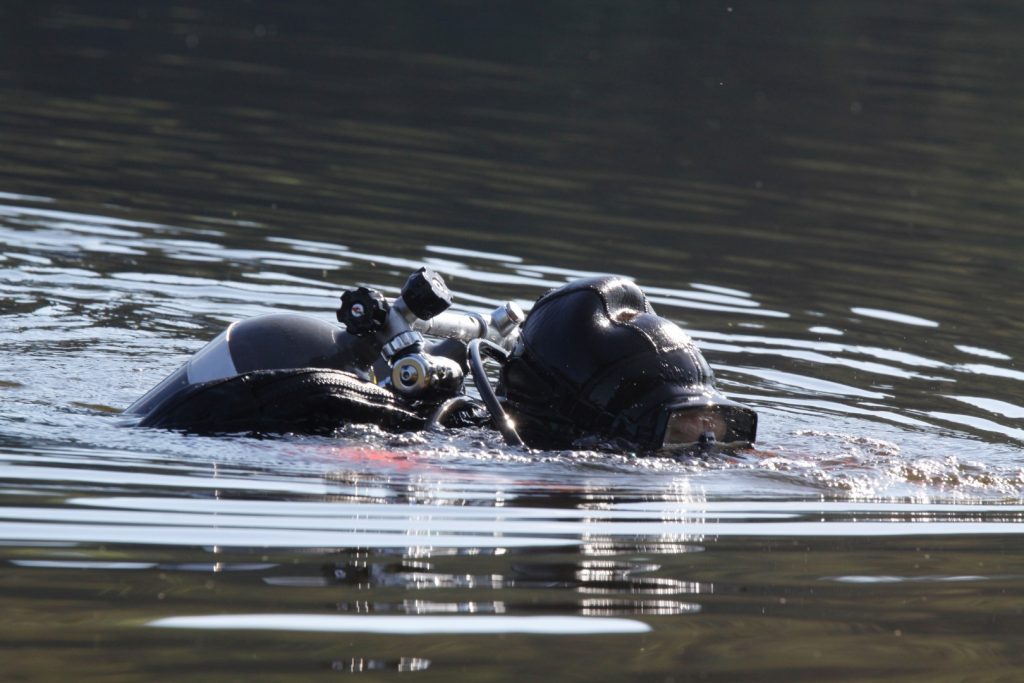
422	308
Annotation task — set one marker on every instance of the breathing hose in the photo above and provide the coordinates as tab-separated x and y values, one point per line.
483	385
445	409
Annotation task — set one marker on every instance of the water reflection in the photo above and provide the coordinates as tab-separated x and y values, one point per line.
641	567
448	625
854	578
891	316
628	589
361	664
829	206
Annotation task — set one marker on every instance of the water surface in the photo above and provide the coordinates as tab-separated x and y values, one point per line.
823	194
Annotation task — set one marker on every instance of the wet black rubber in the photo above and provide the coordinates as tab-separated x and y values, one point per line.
301	400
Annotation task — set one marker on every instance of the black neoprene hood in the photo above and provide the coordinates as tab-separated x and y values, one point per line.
595	362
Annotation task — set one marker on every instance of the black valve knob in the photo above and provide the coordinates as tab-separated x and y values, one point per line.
426	294
363	310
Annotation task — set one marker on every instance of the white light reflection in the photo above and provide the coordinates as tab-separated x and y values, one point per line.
992	405
980	423
361	664
964	578
891	316
984	353
608	607
82	564
428	607
470	253
406	625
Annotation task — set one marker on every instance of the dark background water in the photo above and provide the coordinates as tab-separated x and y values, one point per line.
826	194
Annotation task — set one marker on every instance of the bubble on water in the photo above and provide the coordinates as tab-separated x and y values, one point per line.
864	467
862	443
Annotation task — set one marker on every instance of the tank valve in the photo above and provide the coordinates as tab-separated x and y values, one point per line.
363	310
425	294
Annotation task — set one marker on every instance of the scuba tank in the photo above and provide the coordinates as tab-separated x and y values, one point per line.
293	373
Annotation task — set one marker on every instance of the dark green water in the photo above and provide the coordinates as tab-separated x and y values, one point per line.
825	194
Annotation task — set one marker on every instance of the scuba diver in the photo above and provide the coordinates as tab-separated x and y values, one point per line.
591	367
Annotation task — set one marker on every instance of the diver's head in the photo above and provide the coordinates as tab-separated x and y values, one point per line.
595	366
